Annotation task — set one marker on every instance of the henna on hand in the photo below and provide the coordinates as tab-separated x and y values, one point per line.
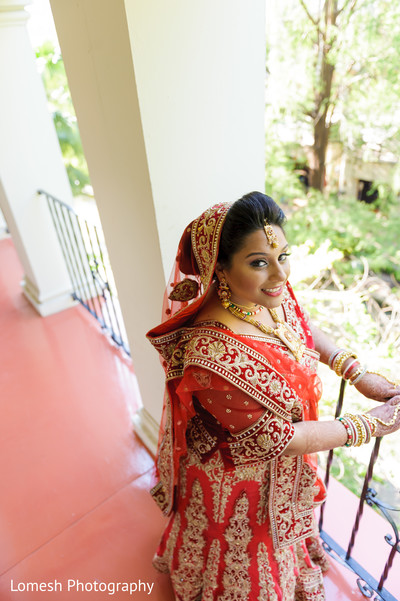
377	387
386	417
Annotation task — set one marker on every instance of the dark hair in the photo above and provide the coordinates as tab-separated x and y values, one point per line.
245	216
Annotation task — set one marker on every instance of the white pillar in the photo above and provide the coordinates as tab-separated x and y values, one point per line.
95	45
30	158
200	74
170	103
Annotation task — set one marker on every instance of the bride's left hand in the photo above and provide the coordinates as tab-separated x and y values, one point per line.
377	387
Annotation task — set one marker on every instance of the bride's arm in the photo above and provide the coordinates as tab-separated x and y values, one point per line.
314	436
371	385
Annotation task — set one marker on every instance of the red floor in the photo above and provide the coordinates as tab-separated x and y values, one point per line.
74	501
74	479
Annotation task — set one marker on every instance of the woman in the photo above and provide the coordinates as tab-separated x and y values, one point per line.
236	463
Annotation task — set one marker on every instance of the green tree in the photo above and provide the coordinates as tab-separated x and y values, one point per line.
336	62
51	66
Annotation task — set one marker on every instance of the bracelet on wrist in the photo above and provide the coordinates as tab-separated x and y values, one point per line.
346	374
349	441
332	357
359	428
371	422
356	377
337	360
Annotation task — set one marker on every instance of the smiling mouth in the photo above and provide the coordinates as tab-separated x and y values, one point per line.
273	291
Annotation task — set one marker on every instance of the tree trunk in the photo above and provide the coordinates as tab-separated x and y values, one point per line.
321	132
321	113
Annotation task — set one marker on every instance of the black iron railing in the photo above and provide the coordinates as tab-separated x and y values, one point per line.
368	585
86	259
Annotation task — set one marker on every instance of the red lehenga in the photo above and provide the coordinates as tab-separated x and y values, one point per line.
242	526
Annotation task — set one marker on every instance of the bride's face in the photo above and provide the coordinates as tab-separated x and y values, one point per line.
258	272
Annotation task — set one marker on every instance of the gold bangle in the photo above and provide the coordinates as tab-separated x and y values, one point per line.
360	431
341	358
356	377
361	427
371	422
351	420
367	427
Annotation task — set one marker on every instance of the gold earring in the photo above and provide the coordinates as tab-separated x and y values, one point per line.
224	292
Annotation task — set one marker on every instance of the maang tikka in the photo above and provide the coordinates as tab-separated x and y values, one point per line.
271	236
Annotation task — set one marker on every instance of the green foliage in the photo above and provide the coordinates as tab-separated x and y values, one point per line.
362	43
358	230
281	181
59	99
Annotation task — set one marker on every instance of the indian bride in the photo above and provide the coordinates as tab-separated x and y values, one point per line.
236	463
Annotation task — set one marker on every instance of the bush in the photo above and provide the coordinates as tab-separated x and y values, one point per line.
51	66
356	229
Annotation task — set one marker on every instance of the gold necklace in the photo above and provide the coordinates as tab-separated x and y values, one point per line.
245	310
283	331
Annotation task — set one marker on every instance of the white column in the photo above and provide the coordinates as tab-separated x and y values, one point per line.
170	103
30	158
95	45
200	74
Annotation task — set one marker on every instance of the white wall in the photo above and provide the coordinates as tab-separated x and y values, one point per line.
200	68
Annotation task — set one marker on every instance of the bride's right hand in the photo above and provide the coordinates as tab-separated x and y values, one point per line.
389	413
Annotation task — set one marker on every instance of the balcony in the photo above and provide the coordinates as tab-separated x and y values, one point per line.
75	479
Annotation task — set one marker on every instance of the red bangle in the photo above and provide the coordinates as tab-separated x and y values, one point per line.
349	368
349	442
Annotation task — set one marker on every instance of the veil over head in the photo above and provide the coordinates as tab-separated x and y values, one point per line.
193	270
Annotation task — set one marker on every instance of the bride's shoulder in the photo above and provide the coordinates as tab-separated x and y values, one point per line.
213	311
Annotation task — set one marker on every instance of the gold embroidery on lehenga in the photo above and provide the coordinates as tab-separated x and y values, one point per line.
211	572
316	552
307	488
224	486
291	500
164	563
266	580
309	583
287	577
187	578
216	350
214	469
236	579
161	493
184	464
249	371
198	437
262	511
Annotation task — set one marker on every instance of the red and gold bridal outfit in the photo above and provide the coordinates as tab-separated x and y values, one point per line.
241	525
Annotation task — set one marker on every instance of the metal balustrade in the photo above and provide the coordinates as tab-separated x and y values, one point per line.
86	259
368	585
